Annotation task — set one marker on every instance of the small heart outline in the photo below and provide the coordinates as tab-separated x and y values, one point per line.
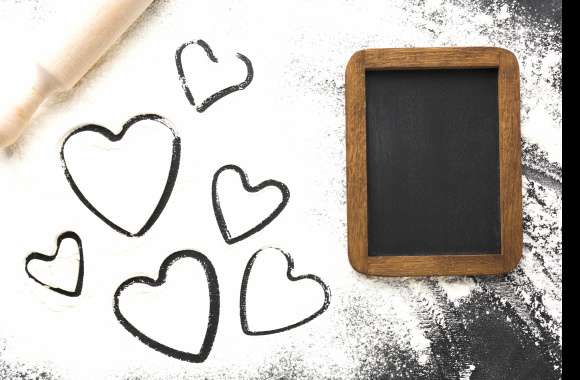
113	137
206	103
213	315
290	263
251	189
49	258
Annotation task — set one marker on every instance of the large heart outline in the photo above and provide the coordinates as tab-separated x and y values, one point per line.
249	188
169	184
243	293
48	258
214	307
220	94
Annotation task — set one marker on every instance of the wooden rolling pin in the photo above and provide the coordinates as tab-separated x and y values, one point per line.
77	39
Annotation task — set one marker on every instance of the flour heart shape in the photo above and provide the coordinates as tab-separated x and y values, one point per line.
217	206
128	176
213	308
219	94
69	235
271	301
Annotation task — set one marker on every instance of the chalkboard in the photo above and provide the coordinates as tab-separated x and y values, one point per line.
432	162
433	151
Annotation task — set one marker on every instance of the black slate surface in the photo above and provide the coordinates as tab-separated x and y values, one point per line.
432	162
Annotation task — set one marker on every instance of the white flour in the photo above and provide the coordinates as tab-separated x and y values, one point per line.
288	125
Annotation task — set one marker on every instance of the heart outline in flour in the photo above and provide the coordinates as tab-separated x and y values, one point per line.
251	189
244	289
206	103
214	307
48	258
169	184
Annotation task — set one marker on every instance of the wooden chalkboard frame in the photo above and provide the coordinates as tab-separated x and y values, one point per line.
509	159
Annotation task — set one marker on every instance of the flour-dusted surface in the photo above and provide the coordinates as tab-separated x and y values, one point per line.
287	124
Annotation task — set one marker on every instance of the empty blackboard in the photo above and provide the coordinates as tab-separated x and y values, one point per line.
433	161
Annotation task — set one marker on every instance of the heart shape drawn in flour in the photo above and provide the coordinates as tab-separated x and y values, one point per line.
214	307
251	189
125	179
220	94
46	258
244	294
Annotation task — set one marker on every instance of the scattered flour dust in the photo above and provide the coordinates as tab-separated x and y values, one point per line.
466	374
456	288
287	125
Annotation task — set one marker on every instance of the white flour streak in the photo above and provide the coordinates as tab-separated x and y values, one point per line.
456	288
